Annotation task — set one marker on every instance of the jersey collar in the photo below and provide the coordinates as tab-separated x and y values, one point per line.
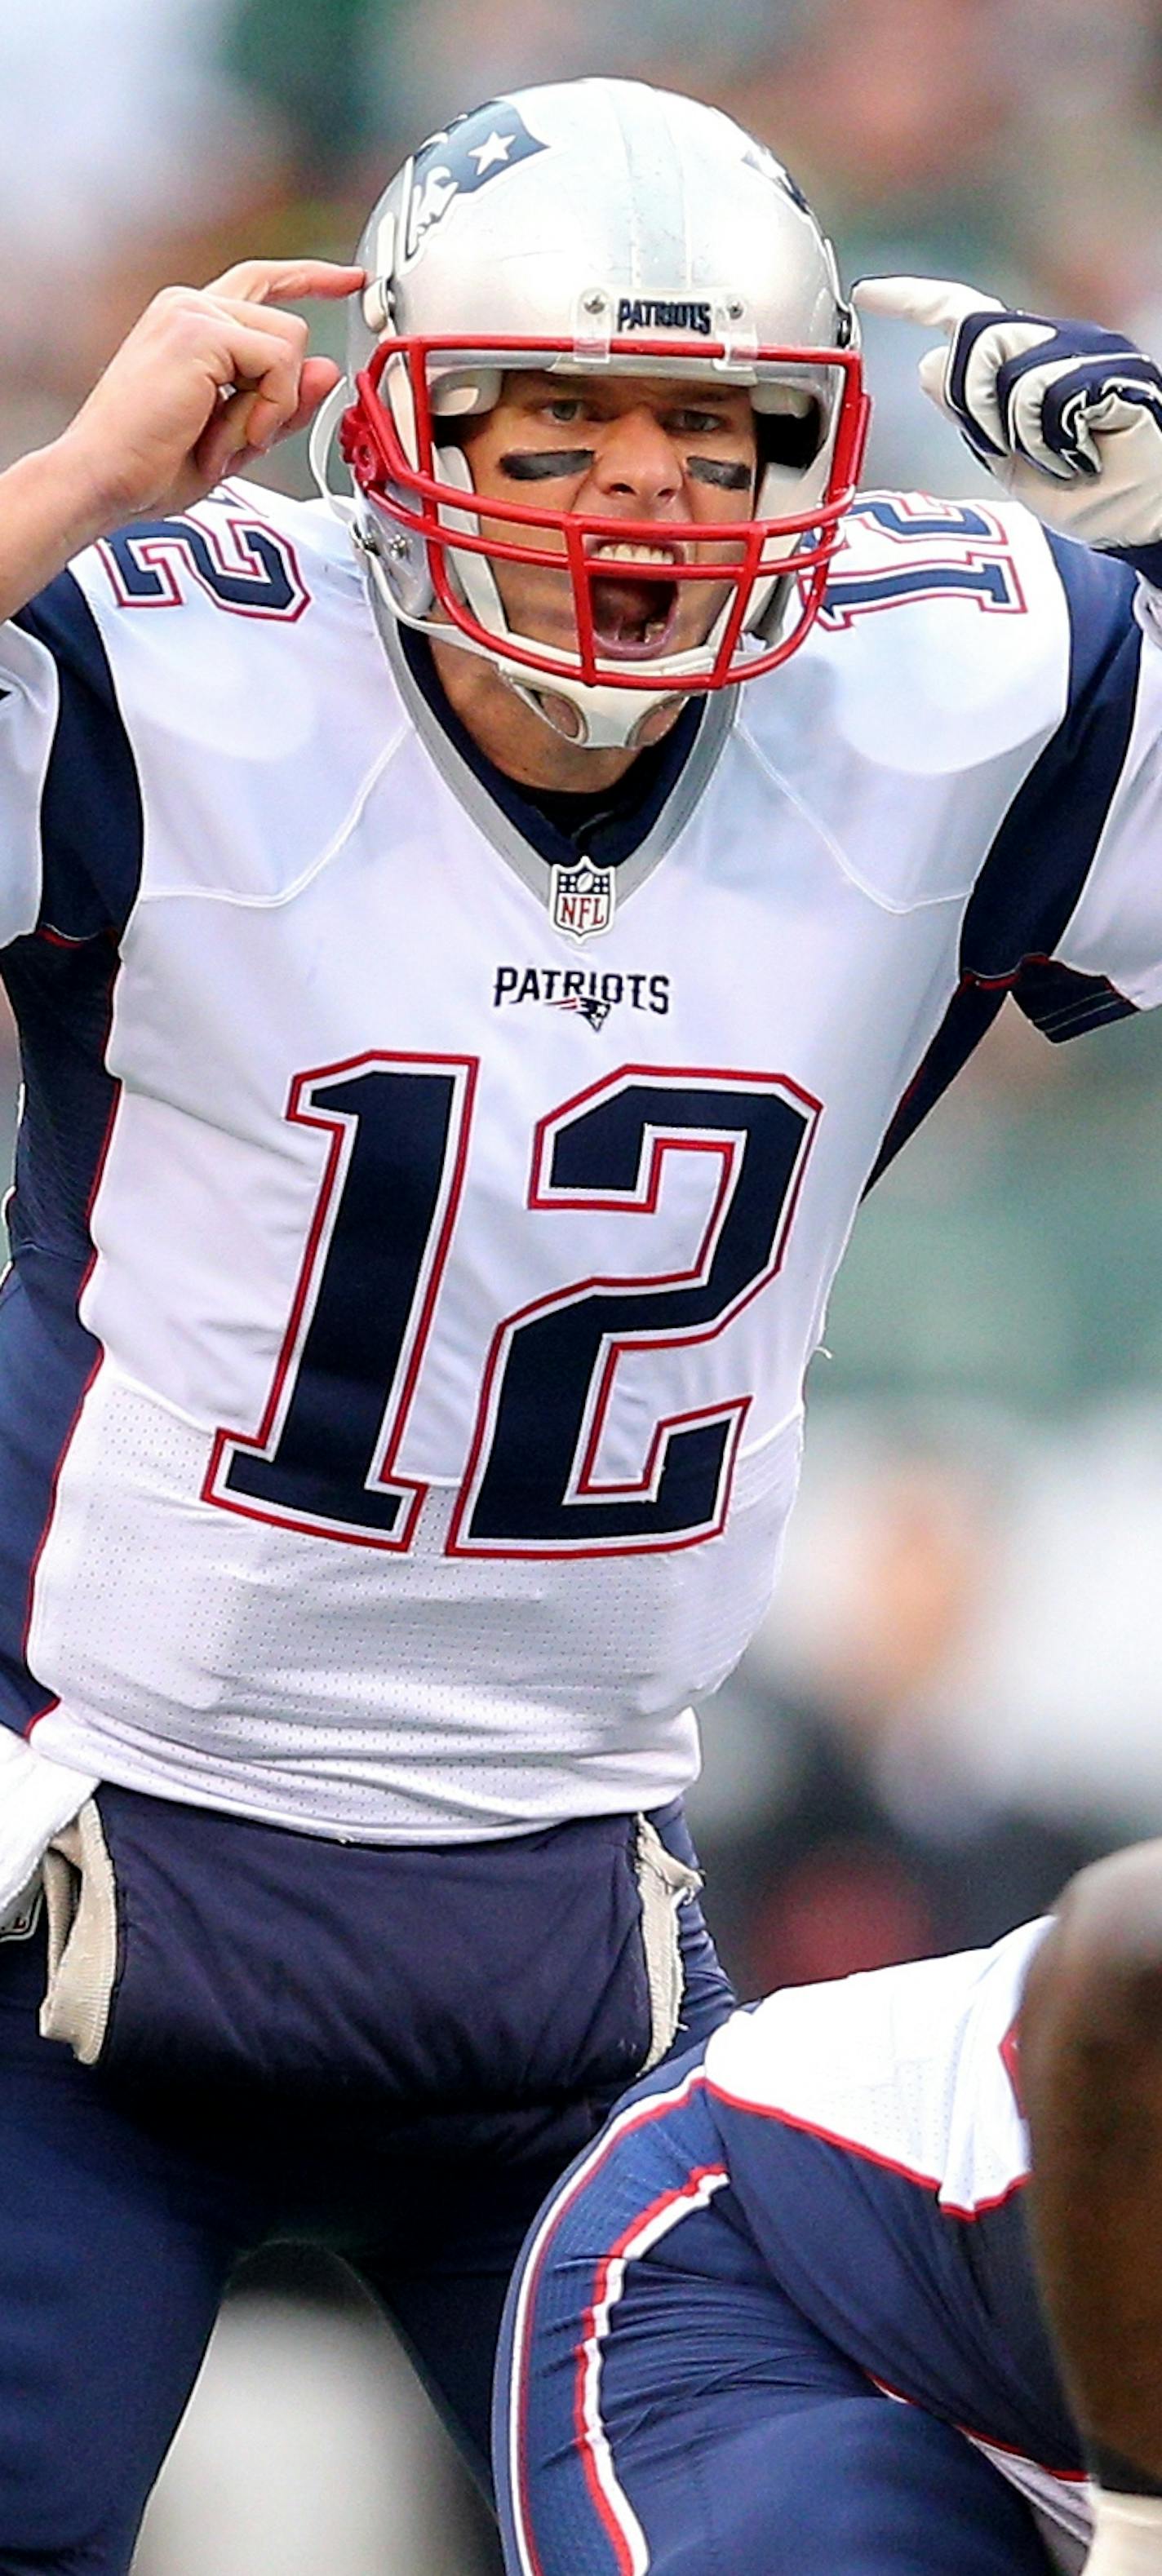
633	837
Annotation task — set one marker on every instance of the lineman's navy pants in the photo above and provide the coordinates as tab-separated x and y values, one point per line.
410	2114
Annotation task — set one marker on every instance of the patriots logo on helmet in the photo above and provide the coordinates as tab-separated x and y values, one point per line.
475	149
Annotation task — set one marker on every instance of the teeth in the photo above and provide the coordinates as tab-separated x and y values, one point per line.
611	551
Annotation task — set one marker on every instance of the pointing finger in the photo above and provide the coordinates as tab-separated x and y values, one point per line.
259	281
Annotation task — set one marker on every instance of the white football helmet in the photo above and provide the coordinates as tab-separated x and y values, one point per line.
588	227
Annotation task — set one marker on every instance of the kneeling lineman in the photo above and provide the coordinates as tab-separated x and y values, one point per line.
803	2310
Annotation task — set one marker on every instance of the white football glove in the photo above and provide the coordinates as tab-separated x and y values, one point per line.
1068	418
37	1799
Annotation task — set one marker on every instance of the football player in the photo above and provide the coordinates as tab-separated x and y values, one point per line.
470	952
785	2317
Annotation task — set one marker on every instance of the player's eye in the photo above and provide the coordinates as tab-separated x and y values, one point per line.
699	424
562	410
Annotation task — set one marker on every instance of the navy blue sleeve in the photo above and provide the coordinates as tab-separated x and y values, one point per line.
1034	872
91	813
1038	864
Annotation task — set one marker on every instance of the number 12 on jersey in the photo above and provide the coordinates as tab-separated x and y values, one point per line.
398	1130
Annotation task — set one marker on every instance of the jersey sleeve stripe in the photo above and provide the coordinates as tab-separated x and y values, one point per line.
1064	1003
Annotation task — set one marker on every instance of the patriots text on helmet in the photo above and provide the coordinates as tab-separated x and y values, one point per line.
656	313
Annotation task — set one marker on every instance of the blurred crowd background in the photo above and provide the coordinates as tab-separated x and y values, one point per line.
959	1695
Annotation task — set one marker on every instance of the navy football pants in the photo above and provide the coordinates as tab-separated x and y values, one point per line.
124	2206
662	2405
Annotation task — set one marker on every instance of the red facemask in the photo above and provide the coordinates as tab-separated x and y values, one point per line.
414	496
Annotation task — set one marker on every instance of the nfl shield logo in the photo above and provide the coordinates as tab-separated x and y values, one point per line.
581	900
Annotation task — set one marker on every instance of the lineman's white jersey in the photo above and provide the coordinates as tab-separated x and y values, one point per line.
447	1280
913	2067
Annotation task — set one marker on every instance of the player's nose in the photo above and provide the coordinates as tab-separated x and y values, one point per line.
637	462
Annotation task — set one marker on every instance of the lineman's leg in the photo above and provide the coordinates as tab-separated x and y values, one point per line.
112	2262
661	2402
841	2486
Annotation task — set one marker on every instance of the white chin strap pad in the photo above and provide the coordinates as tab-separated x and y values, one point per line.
608	718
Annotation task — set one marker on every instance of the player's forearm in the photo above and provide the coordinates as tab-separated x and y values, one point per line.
1091	2070
51	506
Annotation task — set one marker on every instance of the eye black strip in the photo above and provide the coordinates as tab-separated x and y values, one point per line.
540	464
728	477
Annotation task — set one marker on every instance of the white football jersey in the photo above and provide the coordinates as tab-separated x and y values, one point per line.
451	1210
912	2066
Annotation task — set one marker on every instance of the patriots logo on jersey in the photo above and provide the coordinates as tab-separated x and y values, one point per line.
581	988
590	1005
475	149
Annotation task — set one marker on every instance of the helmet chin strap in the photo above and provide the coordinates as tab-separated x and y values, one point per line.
319	444
608	719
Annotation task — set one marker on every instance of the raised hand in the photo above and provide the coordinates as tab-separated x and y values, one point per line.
207	379
1066	416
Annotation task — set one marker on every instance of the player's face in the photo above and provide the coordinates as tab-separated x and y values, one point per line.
618	448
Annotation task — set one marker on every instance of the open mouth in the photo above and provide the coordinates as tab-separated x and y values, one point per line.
635	606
